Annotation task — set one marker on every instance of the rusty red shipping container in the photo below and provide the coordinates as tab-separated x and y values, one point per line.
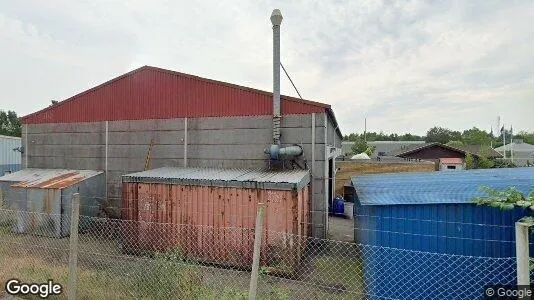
154	93
209	214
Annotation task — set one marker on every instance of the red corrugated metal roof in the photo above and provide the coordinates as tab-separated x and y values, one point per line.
451	161
154	93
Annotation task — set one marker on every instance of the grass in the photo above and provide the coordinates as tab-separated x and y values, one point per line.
342	272
113	275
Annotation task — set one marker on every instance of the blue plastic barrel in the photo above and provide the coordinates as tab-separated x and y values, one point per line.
339	207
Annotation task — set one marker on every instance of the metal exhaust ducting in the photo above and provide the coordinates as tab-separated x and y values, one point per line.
276	151
276	20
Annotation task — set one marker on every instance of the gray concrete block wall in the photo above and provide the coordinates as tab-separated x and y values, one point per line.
229	142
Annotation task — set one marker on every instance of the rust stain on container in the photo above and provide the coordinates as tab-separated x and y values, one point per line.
215	224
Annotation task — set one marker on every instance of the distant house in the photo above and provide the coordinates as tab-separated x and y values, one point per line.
523	153
383	148
447	157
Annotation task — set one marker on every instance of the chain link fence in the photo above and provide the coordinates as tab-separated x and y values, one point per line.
122	259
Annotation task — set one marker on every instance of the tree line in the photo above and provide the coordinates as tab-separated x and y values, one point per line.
473	136
10	124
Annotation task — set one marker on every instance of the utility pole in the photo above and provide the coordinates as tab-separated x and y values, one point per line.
512	143
504	140
365	130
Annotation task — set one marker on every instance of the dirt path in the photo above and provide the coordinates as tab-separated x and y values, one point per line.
341	229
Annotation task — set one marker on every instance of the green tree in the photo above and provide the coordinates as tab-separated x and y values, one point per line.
528	137
10	124
410	137
475	136
370	150
483	161
469	161
507	199
351	137
381	136
359	146
441	135
455	144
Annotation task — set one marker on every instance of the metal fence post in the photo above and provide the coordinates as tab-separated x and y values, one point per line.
522	255
73	247
256	256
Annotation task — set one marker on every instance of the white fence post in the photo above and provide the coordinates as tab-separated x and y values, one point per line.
73	247
256	256
522	255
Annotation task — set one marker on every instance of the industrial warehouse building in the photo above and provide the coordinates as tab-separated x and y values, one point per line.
9	154
151	118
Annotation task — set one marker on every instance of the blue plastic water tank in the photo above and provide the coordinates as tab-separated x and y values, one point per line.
339	206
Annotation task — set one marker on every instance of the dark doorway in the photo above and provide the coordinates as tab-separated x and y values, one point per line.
330	184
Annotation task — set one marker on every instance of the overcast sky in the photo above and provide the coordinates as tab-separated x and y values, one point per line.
406	65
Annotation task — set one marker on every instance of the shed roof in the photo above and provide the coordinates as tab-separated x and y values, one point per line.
47	178
476	150
517	147
438	187
243	178
155	93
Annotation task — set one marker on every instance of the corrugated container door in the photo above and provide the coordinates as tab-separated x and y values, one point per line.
130	213
145	217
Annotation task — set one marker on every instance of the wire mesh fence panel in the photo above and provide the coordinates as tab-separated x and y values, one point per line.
342	270
132	259
35	257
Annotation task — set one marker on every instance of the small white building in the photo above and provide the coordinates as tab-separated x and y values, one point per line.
451	164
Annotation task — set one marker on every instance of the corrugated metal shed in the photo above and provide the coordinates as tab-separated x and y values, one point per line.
10	160
426	229
154	93
210	214
437	187
40	199
242	178
47	178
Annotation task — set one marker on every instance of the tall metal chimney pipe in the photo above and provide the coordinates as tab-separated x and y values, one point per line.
276	20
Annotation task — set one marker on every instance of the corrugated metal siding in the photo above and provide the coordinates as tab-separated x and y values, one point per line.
438	187
215	224
41	202
6	169
7	155
152	93
48	178
451	250
420	241
460	229
242	178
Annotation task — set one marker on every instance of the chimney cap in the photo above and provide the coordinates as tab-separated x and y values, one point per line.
276	17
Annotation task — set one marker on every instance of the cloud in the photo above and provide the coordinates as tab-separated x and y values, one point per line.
405	65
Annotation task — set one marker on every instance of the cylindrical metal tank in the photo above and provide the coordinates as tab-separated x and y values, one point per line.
209	214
